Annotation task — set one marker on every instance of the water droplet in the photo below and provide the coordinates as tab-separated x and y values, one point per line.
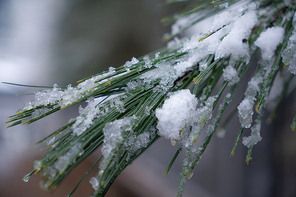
27	177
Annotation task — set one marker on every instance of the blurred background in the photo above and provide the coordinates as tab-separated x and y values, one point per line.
53	41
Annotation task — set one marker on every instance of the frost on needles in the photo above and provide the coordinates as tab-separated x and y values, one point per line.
175	93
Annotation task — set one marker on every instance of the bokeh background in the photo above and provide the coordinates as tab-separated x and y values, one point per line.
62	41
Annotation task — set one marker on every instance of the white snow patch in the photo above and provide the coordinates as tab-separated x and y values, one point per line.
289	54
177	112
112	133
245	112
269	40
255	136
233	43
230	74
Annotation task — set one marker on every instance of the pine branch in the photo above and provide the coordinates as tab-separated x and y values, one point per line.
170	92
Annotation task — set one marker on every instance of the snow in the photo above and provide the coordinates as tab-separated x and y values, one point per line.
202	66
269	40
174	44
180	113
128	64
233	43
148	63
203	47
254	138
182	67
134	144
94	182
157	55
112	133
113	136
224	18
111	69
87	87
37	165
253	86
163	71
85	119
245	112
183	22
117	104
292	65
205	112
203	115
51	141
70	157
44	98
289	53
287	3
230	74
245	108
177	112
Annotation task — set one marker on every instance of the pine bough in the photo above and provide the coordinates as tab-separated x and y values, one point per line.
169	93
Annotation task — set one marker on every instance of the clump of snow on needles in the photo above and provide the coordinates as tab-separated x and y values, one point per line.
233	43
269	40
289	54
177	112
230	74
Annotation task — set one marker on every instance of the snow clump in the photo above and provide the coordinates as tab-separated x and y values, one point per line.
245	112
245	108
255	136
269	40
177	112
233	43
230	74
